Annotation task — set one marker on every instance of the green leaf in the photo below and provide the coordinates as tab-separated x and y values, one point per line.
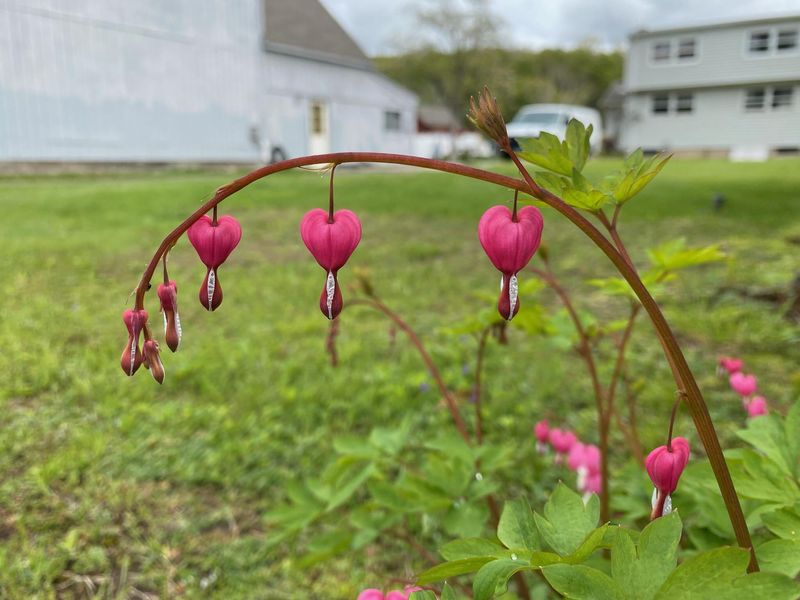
577	138
784	522
390	439
768	435
720	574
448	593
634	176
517	528
473	548
466	518
451	569
567	521
547	151
792	429
581	582
492	578
589	545
780	556
423	595
673	255
353	481
355	446
623	564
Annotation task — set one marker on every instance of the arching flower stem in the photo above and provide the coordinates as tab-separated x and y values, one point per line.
684	377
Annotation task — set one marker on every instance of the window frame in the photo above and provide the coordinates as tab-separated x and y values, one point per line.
686	108
790	97
794	31
654	104
654	56
748	92
751	34
686	57
392	120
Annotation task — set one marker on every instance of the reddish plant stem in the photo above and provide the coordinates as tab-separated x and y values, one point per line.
449	399
476	390
330	194
585	351
683	374
330	341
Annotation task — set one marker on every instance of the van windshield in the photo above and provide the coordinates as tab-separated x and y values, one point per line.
538	118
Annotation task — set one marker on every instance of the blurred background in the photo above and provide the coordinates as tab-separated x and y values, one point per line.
118	118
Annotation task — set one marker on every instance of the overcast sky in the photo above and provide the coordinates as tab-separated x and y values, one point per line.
386	26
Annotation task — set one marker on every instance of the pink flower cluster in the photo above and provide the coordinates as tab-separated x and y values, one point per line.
583	459
373	594
744	385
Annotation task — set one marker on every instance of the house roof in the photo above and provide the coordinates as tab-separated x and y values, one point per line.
304	28
772	20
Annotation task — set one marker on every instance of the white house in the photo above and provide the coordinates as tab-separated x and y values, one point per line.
721	89
189	80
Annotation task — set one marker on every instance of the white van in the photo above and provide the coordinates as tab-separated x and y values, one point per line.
533	119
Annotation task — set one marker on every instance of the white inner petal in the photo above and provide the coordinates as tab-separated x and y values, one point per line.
655	498
330	287
212	284
178	324
513	292
133	355
667	505
502	282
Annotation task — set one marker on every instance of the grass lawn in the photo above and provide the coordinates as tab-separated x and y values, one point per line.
113	486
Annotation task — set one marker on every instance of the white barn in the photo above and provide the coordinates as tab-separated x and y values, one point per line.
189	81
727	89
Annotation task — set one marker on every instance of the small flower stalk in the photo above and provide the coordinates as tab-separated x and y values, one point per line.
665	465
132	358
214	240
168	297
331	237
510	239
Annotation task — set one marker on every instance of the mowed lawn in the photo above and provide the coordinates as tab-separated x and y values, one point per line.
117	486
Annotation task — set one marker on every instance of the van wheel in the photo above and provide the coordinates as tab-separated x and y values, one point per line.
277	154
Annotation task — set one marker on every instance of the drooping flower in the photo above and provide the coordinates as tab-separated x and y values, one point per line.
744	385
541	431
575	457
373	594
152	360
757	407
665	465
730	365
562	440
510	241
131	358
331	242
168	296
214	241
593	484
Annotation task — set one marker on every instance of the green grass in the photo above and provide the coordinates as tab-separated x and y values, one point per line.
110	485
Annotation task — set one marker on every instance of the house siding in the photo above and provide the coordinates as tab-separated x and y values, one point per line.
169	81
717	77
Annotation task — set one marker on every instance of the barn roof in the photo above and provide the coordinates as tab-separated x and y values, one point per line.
305	28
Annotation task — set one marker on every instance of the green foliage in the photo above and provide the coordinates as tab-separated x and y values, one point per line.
566	157
635	174
644	565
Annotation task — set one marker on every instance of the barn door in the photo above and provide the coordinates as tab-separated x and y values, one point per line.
319	136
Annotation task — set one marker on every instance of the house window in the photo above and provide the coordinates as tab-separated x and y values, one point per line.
686	48
781	97
660	104
391	120
754	99
759	41
787	39
685	103
317	121
661	51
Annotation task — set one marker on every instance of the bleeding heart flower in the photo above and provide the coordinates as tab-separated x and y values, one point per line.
757	407
744	385
591	459
152	360
168	295
562	441
665	465
510	241
331	242
373	594
575	457
730	365
593	484
131	358
542	432
214	241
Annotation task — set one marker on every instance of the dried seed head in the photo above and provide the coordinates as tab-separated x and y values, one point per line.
486	116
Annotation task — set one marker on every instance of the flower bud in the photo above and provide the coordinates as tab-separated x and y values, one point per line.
541	431
168	295
730	365
131	358
562	441
757	407
744	385
152	360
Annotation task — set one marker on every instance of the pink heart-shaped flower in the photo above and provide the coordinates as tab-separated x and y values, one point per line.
744	385
331	244
665	465
510	243
214	243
